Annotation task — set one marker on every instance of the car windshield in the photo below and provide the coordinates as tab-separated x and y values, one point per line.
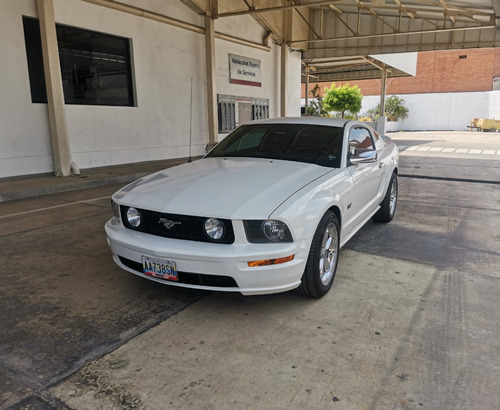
314	144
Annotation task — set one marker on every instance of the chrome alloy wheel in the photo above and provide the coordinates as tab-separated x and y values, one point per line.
394	196
328	254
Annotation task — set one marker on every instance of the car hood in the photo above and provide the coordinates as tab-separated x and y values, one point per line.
234	188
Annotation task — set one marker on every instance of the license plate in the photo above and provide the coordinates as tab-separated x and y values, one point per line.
159	268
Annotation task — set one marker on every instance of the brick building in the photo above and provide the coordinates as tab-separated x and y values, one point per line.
440	72
459	85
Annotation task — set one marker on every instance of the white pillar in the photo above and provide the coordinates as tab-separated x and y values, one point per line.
283	77
211	82
55	93
307	87
381	122
287	35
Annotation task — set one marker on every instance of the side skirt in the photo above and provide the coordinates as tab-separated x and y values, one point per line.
358	227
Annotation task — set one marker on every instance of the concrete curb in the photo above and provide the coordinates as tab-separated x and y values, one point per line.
35	191
39	185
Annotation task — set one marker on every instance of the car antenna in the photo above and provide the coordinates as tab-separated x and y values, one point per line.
190	120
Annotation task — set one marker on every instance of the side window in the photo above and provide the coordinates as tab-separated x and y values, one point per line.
360	140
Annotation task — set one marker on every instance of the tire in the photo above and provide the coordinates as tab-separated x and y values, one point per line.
388	205
323	258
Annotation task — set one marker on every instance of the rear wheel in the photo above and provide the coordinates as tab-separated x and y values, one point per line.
388	205
323	258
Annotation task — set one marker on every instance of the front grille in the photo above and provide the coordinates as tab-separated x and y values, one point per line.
185	227
188	277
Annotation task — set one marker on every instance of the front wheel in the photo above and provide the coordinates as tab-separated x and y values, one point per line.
323	258
388	205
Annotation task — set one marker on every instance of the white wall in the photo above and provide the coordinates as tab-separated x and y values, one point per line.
24	136
443	112
494	105
164	60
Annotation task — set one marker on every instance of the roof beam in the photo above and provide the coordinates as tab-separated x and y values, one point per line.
335	9
378	64
255	10
404	47
445	6
404	9
341	61
437	8
337	16
407	33
308	24
375	14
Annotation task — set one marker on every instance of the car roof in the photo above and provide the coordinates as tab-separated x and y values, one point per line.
327	121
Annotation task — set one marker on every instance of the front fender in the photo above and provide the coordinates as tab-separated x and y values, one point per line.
303	210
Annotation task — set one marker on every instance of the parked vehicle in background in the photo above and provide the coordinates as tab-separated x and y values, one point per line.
484	125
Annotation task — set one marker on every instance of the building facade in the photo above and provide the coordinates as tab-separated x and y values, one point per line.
449	90
135	89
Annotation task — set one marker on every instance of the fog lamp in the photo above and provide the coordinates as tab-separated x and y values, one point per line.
133	217
214	229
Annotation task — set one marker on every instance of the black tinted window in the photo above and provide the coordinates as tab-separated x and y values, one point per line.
95	67
316	144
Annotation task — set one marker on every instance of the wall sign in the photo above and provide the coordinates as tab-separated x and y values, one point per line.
244	70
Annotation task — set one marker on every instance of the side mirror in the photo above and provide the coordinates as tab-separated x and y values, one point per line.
364	157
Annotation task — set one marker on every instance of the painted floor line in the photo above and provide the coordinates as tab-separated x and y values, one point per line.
448	150
48	208
450	179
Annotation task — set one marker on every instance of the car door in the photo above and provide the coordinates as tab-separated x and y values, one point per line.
365	193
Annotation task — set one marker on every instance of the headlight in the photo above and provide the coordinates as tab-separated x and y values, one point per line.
274	230
133	217
260	231
214	229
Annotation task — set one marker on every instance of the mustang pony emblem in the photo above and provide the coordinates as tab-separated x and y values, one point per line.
168	223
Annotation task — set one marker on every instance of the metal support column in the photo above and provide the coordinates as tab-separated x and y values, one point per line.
55	94
287	33
283	78
382	92
307	87
211	82
381	122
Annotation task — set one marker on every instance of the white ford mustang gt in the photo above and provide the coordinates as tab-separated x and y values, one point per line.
265	211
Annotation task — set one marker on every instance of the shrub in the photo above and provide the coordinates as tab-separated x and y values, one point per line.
316	107
395	109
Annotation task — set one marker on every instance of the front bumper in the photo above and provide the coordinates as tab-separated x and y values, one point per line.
210	262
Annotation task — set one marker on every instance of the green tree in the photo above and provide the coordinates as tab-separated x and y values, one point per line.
343	99
395	109
316	107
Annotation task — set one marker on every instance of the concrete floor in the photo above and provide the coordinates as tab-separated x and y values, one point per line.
411	321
